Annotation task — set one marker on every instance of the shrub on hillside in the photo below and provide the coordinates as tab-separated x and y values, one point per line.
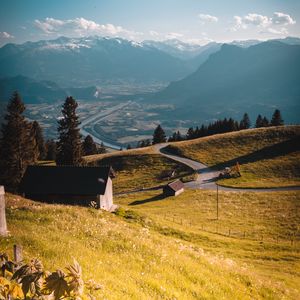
31	281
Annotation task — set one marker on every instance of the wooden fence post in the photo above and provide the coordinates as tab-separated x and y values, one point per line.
18	253
3	225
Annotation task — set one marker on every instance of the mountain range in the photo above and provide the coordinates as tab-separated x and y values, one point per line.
91	61
207	82
236	79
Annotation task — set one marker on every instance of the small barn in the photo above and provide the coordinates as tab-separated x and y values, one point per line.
69	185
173	188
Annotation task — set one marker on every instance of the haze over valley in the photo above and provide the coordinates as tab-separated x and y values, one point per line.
177	84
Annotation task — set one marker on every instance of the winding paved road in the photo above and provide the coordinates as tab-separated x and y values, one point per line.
206	177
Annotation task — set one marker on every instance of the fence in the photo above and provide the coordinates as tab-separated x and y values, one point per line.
292	239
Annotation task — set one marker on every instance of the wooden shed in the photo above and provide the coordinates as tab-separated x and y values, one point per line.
173	188
69	185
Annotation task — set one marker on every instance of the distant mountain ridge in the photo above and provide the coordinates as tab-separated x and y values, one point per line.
100	61
33	91
89	61
235	78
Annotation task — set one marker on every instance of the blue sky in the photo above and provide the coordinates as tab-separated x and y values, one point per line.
196	21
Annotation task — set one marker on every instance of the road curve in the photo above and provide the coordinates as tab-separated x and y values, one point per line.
206	177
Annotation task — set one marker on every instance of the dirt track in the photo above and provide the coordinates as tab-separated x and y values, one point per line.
206	178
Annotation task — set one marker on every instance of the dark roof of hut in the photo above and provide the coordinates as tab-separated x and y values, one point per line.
176	185
65	180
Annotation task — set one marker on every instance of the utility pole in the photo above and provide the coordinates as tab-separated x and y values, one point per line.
217	202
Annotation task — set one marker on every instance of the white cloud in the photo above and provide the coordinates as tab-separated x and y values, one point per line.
153	33
173	35
256	20
281	31
207	18
280	18
6	35
264	23
82	27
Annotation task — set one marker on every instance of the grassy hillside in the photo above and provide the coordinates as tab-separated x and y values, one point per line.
257	230
142	255
268	156
141	168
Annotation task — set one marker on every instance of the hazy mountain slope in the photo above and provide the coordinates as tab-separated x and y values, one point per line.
176	48
237	79
33	91
90	60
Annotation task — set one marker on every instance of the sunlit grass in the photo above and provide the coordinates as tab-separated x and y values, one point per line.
269	157
257	229
139	259
137	171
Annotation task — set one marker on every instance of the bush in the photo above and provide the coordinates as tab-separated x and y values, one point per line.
31	281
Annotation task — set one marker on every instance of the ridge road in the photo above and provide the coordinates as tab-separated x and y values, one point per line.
206	177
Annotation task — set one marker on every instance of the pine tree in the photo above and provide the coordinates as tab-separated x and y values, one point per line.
39	142
89	146
276	118
159	135
50	150
259	121
265	122
245	122
101	149
16	145
190	133
69	149
128	147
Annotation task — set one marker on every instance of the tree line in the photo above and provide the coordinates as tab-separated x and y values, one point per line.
22	142
219	126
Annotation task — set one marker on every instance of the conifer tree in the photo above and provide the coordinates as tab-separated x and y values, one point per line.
37	134
16	145
69	148
265	122
276	118
159	135
259	121
101	149
89	146
245	122
190	133
50	150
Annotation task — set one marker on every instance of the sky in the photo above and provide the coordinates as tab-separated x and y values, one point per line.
193	21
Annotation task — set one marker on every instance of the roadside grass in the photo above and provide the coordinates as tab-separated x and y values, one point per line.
257	230
269	157
135	170
135	259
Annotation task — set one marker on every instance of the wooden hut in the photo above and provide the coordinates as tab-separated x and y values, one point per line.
173	188
69	185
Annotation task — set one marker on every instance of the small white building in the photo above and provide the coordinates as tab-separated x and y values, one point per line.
173	188
70	185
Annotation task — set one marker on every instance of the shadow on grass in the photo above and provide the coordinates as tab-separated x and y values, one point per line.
270	152
152	199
